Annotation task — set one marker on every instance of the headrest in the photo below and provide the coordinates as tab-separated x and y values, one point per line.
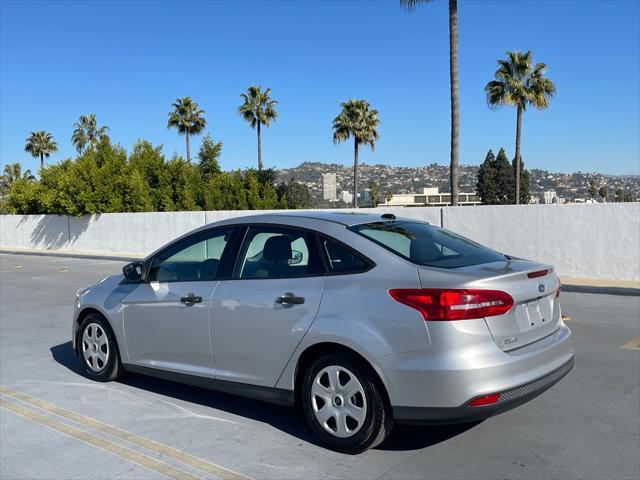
277	249
423	250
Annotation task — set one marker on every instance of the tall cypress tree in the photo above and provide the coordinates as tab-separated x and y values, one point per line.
486	187
504	179
496	180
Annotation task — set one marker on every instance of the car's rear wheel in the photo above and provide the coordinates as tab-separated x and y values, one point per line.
97	349
343	404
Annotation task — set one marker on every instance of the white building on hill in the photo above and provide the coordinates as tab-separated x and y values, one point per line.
430	197
346	197
329	186
549	196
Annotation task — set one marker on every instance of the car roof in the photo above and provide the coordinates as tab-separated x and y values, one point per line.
346	218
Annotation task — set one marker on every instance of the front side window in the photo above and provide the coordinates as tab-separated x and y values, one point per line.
424	244
277	253
194	259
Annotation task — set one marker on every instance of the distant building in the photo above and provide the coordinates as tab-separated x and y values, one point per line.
548	197
431	197
364	196
329	186
346	197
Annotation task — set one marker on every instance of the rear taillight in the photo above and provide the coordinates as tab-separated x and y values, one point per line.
453	304
539	273
558	292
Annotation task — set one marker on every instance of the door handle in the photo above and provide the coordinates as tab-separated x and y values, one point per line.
190	299
290	299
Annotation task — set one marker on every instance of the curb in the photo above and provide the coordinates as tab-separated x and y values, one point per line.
602	290
91	256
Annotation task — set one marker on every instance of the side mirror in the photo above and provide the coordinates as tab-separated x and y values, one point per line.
296	257
133	271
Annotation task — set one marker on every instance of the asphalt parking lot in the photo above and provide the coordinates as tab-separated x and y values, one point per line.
55	424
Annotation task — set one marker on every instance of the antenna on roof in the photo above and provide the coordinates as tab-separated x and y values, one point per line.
388	216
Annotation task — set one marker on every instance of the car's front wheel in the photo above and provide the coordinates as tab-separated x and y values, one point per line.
343	404
97	349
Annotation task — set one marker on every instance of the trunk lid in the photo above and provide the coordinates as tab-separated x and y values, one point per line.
533	287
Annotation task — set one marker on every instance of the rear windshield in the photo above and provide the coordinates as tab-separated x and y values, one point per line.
424	244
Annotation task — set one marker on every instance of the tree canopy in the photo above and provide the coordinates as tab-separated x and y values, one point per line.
87	134
359	120
496	177
258	107
209	156
519	83
106	179
40	144
295	194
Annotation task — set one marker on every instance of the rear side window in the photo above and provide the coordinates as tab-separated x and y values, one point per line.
341	259
275	252
424	244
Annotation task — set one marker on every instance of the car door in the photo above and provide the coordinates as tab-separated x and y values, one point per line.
262	313
167	317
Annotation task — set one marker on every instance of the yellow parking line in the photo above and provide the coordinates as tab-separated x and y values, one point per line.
151	445
123	452
633	344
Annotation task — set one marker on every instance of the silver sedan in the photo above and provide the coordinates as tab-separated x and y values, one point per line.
363	320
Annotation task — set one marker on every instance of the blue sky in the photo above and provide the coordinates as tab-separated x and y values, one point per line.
126	62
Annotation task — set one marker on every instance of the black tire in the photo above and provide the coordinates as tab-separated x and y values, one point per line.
112	369
378	420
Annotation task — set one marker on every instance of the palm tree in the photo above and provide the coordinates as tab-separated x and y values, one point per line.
453	80
358	120
374	193
87	134
519	83
258	109
40	144
188	118
13	172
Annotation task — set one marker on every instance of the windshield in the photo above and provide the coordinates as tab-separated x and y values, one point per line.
424	244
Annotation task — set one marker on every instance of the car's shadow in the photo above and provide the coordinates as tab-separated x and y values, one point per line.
283	418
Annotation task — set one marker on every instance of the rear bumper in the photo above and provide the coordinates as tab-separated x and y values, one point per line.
464	414
463	363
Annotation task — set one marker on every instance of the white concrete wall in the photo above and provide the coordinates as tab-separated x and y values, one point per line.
590	241
136	233
37	232
599	241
